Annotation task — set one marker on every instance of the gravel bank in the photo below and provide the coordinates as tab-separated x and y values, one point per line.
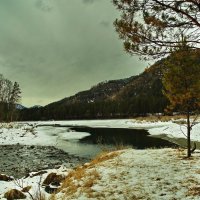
19	160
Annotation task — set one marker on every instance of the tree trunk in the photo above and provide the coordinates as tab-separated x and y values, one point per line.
188	135
11	112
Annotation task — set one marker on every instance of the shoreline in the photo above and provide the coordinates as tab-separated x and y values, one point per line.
19	160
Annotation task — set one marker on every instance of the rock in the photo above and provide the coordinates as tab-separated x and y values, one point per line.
5	178
14	194
46	166
53	177
19	160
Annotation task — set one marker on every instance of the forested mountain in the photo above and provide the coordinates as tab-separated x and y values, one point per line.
128	97
100	92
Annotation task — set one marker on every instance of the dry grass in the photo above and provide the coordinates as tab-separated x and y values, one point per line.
156	118
93	174
52	197
103	157
191	181
84	177
120	146
26	189
194	191
191	159
69	185
164	118
92	177
80	180
180	152
41	197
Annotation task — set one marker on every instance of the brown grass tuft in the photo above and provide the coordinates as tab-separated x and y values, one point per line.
69	185
26	189
93	177
52	197
163	118
194	191
103	157
180	152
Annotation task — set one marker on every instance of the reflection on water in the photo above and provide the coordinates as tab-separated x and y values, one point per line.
79	149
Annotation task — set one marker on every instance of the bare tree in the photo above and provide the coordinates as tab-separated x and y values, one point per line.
10	95
14	99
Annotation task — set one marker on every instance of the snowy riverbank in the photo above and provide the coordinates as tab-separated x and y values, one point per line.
153	174
28	133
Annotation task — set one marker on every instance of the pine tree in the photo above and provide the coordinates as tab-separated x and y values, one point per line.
182	84
153	28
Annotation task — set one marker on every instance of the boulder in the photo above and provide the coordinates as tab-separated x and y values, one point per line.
3	177
52	178
14	194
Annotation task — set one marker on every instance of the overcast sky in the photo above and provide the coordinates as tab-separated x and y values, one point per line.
56	48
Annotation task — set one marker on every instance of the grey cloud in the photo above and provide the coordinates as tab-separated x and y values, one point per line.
56	54
44	5
105	24
88	1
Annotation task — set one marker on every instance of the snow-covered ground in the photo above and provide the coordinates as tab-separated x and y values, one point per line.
34	181
29	134
154	174
141	174
171	128
176	130
133	174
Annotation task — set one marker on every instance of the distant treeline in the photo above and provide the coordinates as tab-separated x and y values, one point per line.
139	106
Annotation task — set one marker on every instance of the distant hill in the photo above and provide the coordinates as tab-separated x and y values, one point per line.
100	92
127	97
147	83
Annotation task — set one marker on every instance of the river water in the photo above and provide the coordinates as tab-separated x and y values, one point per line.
102	138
